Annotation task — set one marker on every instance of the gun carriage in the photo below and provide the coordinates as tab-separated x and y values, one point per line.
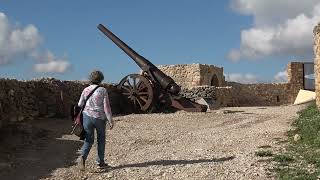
152	89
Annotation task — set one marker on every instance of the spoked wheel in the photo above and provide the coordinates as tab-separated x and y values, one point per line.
138	90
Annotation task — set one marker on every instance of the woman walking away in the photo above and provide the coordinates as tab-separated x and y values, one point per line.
95	114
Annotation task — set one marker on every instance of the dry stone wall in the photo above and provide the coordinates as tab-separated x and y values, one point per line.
185	75
190	75
199	91
236	94
316	32
26	100
260	94
201	80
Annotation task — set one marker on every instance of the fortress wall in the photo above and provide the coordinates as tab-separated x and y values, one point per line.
185	75
236	94
295	79
273	94
27	100
191	75
208	72
232	93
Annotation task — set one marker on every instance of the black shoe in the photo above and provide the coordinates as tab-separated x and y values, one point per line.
102	165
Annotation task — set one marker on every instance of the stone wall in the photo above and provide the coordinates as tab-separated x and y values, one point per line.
273	94
185	75
199	91
211	75
190	75
236	94
295	79
26	100
316	32
196	80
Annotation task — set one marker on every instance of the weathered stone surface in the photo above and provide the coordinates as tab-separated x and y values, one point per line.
199	80
236	94
316	32
189	75
295	79
47	97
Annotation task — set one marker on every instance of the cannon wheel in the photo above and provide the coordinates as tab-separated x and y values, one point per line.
138	90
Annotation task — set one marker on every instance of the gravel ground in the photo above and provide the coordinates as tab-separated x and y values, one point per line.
219	144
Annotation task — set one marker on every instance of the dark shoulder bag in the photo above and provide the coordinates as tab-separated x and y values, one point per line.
77	128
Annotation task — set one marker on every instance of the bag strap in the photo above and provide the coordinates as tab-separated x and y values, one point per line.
85	101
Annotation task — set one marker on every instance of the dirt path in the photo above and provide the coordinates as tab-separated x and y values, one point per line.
220	144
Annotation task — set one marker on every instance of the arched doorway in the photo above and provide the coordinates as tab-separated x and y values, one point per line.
215	81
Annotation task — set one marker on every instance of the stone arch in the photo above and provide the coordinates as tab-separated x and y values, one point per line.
214	81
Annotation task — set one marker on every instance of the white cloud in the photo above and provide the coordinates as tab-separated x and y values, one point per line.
234	55
281	76
242	78
58	66
49	63
271	12
16	41
42	56
280	28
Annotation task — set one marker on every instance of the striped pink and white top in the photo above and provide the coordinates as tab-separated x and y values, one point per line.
98	105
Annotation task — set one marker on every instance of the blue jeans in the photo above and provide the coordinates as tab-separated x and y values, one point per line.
89	124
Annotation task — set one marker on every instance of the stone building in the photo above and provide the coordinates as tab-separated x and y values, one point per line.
316	32
190	75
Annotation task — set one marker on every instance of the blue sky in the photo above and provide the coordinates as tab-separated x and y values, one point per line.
60	39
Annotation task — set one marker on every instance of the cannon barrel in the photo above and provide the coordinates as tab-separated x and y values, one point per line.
165	81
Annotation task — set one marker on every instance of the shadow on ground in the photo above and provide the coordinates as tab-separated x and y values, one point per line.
172	162
35	150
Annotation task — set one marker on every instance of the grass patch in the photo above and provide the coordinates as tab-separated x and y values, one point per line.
263	153
283	158
295	173
302	158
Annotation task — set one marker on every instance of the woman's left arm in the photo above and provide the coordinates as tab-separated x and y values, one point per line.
81	100
106	107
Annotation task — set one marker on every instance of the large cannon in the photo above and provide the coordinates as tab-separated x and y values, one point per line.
152	89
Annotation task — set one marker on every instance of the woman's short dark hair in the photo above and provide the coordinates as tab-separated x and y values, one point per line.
96	77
